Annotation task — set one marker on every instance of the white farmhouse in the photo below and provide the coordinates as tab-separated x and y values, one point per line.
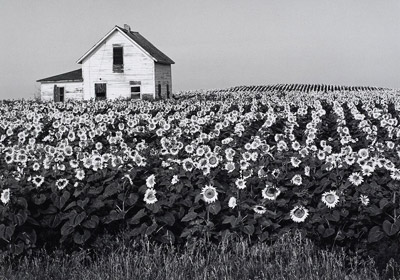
123	64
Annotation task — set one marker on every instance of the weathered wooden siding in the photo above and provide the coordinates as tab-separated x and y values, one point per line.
163	77
72	90
98	68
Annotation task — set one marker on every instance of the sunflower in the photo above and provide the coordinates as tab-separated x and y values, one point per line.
36	166
259	209
364	199
296	146
295	161
298	214
232	202
38	180
356	179
187	164
321	155
174	180
5	196
99	146
74	163
80	174
244	164
330	199
307	170
150	196
363	153
270	192
395	174
229	166
209	194
240	183
200	151
275	172
296	180
150	181
61	183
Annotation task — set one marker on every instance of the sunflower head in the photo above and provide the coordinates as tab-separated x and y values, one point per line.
299	214
330	199
209	194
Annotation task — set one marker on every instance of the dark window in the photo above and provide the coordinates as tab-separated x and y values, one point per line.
56	94
118	59
61	89
135	89
100	91
159	91
167	90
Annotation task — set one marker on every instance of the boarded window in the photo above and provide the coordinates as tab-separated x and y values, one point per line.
100	91
118	59
135	89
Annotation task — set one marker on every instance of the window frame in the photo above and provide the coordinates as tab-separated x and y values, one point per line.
118	67
135	84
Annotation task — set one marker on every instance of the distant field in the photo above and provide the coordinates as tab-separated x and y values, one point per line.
253	162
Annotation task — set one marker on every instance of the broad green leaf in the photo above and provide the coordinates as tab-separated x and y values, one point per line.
391	228
189	217
375	234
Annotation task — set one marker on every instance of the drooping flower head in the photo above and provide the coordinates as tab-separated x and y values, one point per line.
150	181
232	202
209	193
364	199
150	196
174	180
61	183
259	209
38	180
5	196
395	174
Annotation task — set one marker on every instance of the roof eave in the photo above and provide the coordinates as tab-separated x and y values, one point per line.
57	81
80	60
164	62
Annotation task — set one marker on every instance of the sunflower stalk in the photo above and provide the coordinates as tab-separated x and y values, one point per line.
238	203
394	211
208	221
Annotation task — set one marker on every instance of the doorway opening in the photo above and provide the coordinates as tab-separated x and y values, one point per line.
100	91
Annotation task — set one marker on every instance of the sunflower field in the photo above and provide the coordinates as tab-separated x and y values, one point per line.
211	164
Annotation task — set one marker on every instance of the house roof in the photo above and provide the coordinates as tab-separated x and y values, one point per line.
159	56
75	75
136	38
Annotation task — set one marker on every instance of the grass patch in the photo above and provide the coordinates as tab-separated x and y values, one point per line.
291	257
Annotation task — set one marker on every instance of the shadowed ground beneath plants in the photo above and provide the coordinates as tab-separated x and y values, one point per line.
291	257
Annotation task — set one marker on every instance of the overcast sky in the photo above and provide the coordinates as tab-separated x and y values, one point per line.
214	43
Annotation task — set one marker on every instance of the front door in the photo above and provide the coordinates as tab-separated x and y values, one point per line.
56	94
100	91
